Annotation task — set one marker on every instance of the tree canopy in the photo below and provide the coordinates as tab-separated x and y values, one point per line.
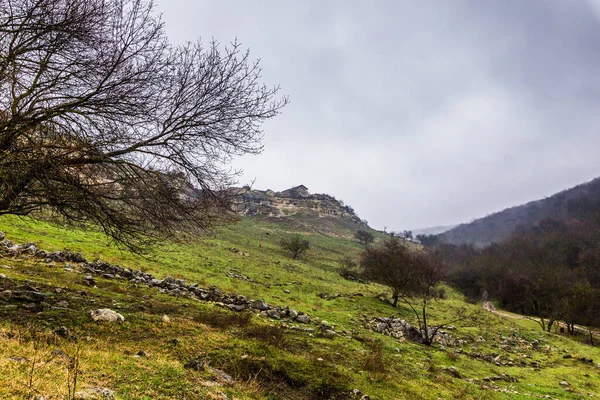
102	120
295	244
364	237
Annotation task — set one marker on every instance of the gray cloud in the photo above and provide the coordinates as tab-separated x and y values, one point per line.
419	113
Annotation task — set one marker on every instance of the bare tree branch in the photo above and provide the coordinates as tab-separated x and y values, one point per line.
102	120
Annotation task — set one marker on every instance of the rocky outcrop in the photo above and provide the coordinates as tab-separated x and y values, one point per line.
399	328
296	200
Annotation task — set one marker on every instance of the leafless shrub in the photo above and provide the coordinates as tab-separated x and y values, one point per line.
374	361
272	335
223	319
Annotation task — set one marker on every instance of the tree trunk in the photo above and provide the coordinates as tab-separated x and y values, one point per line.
428	340
395	299
543	323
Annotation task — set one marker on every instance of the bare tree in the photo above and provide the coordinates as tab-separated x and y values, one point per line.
413	277
295	244
102	120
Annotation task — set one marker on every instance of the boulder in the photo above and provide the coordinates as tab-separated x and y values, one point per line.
106	315
260	305
303	319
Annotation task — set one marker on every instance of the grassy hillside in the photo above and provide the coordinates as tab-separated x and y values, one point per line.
565	205
193	349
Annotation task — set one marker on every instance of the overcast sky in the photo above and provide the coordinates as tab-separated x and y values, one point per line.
418	113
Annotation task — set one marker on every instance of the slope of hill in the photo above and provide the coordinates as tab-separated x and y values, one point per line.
182	336
564	205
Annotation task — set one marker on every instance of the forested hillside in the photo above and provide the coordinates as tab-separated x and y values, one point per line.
564	206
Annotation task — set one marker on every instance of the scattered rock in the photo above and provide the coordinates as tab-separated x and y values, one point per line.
32	296
196	363
454	372
564	383
176	287
329	333
222	376
18	359
89	280
165	319
63	332
303	319
399	328
106	315
95	394
260	305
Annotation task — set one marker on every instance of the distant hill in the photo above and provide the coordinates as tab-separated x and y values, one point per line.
434	230
574	203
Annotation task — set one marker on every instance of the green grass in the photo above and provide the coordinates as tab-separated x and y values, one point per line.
264	361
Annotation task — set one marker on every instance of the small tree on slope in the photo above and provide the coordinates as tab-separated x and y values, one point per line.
364	237
413	277
295	244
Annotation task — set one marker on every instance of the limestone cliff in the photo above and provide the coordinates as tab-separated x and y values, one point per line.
294	201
